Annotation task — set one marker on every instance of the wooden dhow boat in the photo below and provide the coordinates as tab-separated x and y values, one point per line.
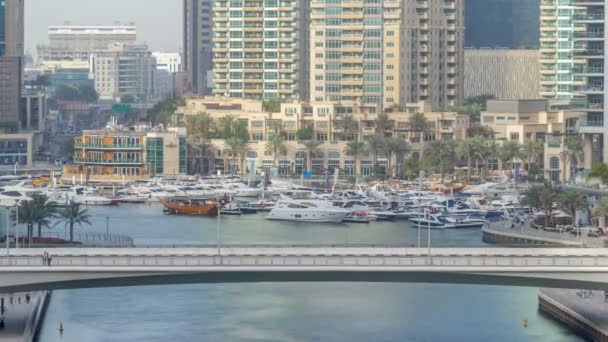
190	206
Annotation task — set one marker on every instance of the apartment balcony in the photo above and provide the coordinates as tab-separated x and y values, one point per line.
588	18
588	89
588	35
96	161
589	71
591	126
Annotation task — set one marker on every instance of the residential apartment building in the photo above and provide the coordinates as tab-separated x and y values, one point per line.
197	44
504	73
78	42
536	120
123	70
168	64
256	49
324	118
138	152
572	65
168	61
387	53
511	24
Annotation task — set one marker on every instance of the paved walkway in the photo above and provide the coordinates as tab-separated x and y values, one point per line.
525	230
17	315
589	304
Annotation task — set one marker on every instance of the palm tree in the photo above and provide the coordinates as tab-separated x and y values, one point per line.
236	148
439	155
599	170
573	153
45	211
508	151
396	147
382	121
541	197
572	200
200	126
27	215
312	149
276	145
471	148
347	124
531	151
355	149
204	149
419	124
376	145
225	125
74	214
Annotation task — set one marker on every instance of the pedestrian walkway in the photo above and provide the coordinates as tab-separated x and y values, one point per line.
591	305
19	314
525	230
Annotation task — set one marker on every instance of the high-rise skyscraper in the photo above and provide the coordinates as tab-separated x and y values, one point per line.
502	23
572	59
197	55
385	52
11	48
257	50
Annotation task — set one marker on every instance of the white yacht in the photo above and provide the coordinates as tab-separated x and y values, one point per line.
306	211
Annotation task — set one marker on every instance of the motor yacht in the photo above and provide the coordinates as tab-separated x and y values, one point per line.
306	211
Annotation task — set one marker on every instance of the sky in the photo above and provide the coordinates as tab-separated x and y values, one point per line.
159	22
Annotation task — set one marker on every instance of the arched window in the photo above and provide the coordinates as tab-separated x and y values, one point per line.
554	163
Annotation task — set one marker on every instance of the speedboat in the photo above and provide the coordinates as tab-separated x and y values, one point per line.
471	221
305	211
433	221
360	217
361	206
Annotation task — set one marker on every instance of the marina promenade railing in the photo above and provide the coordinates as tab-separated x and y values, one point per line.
252	258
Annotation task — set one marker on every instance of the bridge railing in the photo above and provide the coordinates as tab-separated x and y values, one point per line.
185	262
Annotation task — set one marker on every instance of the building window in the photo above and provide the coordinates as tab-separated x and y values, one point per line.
257	136
322	136
366	167
349	167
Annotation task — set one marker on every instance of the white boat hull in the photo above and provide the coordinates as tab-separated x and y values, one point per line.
316	216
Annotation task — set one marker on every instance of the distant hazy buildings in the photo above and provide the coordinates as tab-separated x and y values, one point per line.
502	23
123	70
168	64
505	74
168	61
197	43
78	42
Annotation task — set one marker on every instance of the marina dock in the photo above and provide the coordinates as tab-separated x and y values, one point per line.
23	318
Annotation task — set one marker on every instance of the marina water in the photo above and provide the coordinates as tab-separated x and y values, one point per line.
290	312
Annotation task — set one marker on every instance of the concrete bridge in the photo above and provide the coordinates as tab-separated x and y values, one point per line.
24	270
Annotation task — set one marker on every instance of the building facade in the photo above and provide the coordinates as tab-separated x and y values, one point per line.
78	42
168	61
572	65
11	63
74	73
197	55
387	53
256	49
535	120
511	24
123	70
117	153
324	118
506	74
432	41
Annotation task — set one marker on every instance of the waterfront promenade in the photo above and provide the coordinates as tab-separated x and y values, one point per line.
22	316
505	232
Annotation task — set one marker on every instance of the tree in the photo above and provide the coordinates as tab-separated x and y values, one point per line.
531	152
272	106
599	170
508	151
541	197
572	200
439	156
204	152
355	149
237	148
573	152
473	106
162	112
26	215
382	122
348	125
471	149
45	211
230	127
376	145
305	132
396	147
419	124
73	214
477	129
276	145
200	127
312	149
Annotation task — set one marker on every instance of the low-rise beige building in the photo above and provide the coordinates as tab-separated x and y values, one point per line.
325	118
536	120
